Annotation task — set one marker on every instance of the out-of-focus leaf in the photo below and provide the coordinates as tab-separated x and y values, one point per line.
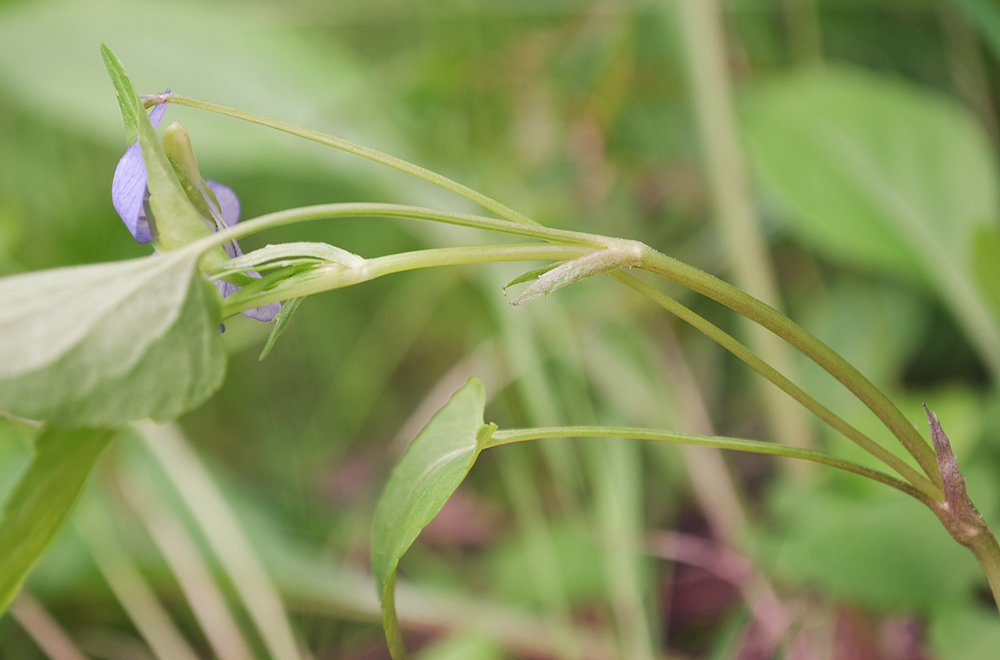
964	633
462	647
881	174
224	52
43	498
581	575
427	474
986	265
875	547
105	344
984	14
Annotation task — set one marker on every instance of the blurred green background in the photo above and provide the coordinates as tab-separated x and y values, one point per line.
869	133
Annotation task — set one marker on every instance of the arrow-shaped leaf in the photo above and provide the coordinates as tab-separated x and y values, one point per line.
423	480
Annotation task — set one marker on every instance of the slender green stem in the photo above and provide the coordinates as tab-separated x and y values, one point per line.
767	371
987	553
326	278
813	348
359	209
337	143
738	444
656	262
735	212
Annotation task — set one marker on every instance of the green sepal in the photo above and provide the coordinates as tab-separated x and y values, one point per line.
175	221
127	99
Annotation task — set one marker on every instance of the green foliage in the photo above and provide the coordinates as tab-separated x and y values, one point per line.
105	344
986	266
985	15
880	174
873	547
423	480
43	498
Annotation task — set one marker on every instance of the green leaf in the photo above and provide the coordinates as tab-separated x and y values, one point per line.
126	95
43	499
283	255
105	344
882	174
423	480
531	275
280	321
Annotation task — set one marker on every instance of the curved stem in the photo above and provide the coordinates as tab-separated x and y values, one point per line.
813	348
362	209
725	340
338	143
737	444
326	278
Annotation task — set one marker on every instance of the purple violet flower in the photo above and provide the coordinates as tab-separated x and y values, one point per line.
129	195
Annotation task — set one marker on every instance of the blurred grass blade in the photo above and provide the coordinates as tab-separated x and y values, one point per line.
225	536
136	596
43	499
43	629
194	577
423	480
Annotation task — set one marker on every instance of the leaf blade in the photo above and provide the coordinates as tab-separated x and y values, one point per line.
427	474
105	344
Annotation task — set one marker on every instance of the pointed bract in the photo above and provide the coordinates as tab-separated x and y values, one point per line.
128	187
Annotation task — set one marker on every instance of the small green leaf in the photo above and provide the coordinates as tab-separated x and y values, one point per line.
423	480
284	255
123	90
531	275
102	345
43	499
280	321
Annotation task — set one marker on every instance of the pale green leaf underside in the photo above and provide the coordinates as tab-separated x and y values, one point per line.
105	344
43	499
423	480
